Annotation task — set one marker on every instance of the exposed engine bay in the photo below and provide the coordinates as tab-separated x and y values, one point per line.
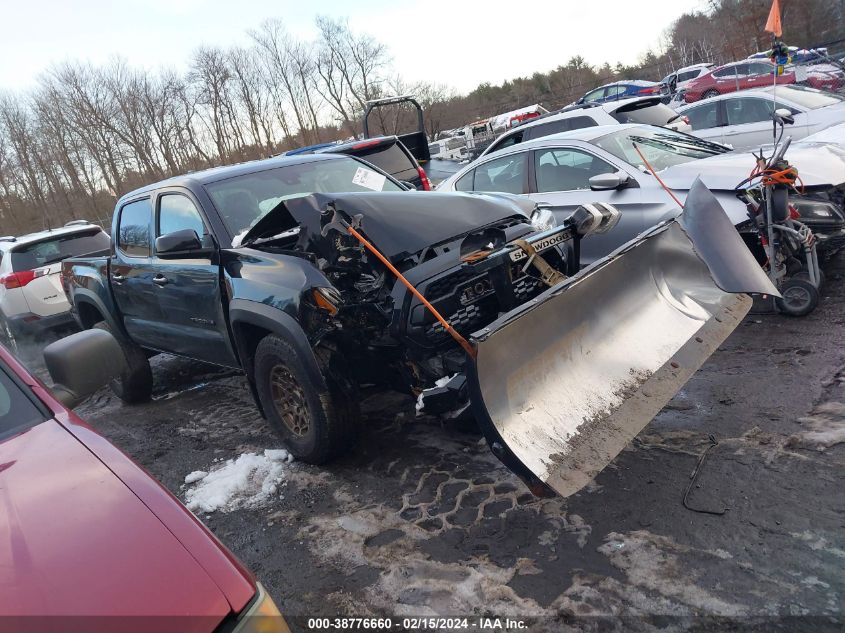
489	260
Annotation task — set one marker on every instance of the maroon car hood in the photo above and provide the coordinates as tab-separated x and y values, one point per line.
74	540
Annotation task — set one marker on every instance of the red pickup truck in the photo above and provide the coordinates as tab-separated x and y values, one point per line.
88	540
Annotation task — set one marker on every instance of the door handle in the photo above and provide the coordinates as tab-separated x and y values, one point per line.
160	280
118	277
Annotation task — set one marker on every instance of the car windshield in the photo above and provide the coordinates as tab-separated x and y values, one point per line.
661	148
809	98
51	250
243	200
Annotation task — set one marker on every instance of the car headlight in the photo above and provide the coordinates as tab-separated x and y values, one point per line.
262	616
810	209
595	218
543	219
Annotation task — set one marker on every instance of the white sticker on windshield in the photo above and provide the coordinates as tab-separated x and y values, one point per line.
369	179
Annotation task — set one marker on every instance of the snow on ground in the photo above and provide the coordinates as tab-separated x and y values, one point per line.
245	482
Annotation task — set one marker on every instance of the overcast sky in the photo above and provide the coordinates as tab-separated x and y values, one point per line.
456	42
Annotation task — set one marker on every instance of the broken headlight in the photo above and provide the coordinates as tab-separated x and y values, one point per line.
543	219
595	218
810	209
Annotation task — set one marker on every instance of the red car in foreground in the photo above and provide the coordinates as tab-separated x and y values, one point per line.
88	540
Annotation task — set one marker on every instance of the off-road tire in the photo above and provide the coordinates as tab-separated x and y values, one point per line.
800	297
316	424
712	92
136	383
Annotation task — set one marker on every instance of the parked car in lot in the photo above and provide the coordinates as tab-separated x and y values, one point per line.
744	119
388	153
735	76
678	80
648	110
91	541
600	163
31	296
620	90
752	73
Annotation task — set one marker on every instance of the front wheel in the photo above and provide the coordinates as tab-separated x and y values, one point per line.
800	297
316	423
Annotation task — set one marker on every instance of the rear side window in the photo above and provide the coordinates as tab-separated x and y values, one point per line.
50	251
704	116
646	112
17	411
176	213
513	139
561	125
390	159
133	231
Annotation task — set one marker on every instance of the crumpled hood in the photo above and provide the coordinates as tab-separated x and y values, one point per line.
398	223
76	541
817	163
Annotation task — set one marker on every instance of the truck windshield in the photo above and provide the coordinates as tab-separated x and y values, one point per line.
243	200
661	148
55	249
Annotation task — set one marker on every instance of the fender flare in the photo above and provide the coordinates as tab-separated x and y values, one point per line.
278	322
87	297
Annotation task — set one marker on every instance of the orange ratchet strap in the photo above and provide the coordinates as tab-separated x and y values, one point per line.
469	349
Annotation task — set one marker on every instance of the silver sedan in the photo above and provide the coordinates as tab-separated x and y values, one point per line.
614	164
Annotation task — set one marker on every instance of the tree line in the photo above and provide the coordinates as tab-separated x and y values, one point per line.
86	134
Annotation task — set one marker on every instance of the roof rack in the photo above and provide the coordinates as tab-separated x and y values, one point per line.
77	223
8	238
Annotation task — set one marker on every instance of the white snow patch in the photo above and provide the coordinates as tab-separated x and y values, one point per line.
245	482
192	478
824	427
440	382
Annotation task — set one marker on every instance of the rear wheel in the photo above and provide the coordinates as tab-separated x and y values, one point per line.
710	93
315	423
136	383
800	297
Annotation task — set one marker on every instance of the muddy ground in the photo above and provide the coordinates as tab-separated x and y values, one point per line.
421	519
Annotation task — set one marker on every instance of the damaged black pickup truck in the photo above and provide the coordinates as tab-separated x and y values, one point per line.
460	299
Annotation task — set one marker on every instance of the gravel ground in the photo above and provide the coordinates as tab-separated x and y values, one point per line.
420	519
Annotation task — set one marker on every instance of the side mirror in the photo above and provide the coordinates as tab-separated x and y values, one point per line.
783	116
81	363
177	243
607	182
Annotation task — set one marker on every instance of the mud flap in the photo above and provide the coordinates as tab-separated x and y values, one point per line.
562	384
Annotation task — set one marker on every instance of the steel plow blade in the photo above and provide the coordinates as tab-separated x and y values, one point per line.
562	384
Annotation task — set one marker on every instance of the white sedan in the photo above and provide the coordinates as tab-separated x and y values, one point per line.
743	120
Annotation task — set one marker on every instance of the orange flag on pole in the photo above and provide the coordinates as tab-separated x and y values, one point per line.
773	24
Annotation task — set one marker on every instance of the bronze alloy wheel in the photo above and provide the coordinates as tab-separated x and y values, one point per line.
289	399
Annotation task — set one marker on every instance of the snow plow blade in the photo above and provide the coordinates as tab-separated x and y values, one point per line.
562	384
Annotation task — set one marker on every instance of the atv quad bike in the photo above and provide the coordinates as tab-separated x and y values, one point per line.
477	308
